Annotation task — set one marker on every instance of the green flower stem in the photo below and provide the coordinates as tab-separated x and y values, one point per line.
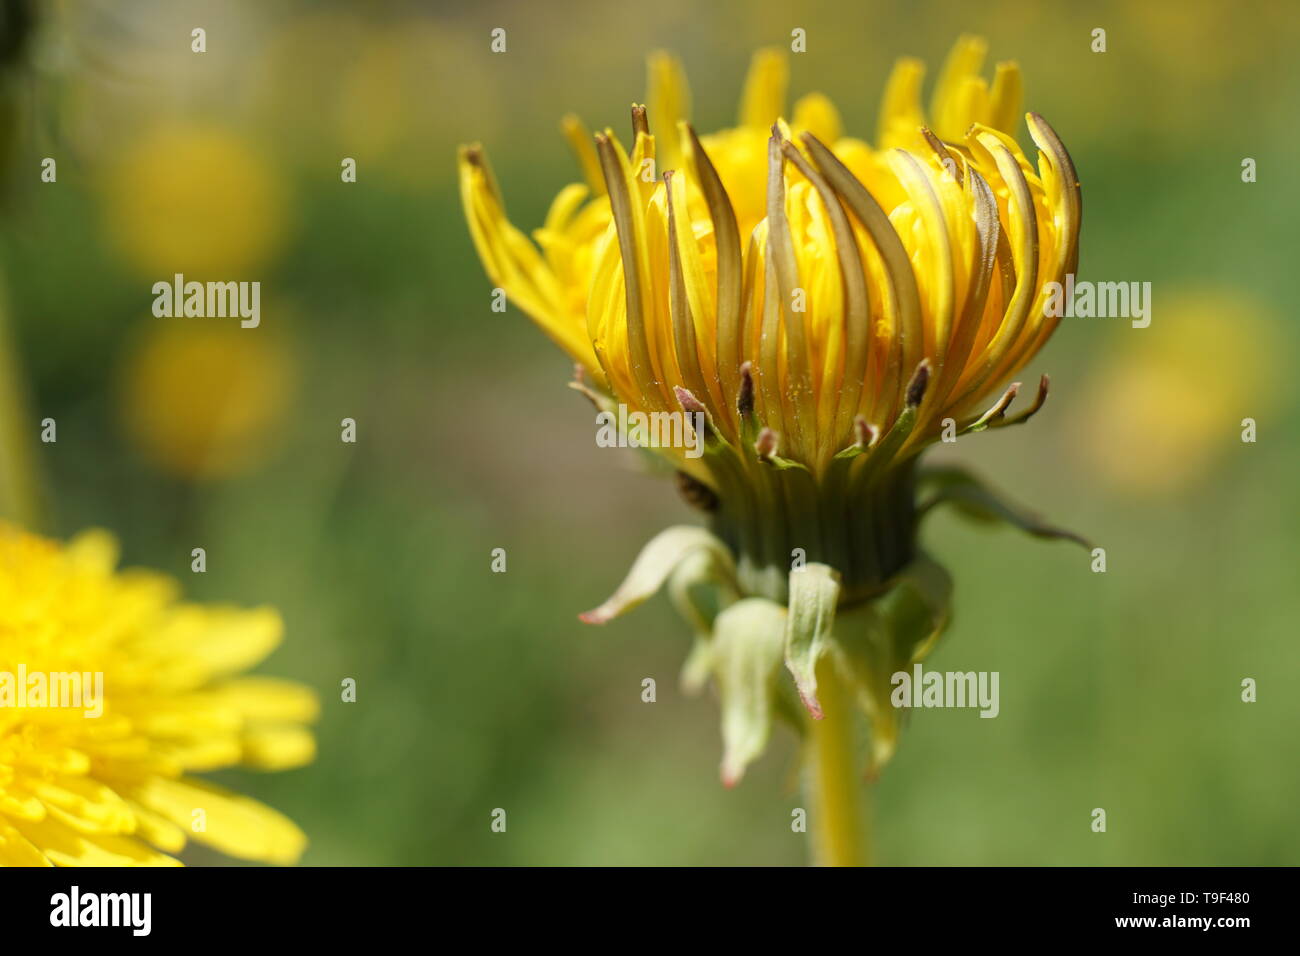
837	814
19	489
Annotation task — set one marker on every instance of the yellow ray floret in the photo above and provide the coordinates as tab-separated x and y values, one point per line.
836	278
101	772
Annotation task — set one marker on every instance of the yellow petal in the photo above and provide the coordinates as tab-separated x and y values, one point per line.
964	62
270	698
66	847
85	805
1006	97
579	137
900	105
668	99
763	101
235	825
93	550
216	640
818	115
277	747
17	850
161	833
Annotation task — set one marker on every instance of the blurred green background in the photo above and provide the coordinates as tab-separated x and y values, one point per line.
479	690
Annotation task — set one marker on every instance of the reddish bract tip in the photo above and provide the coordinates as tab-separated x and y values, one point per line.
812	705
687	399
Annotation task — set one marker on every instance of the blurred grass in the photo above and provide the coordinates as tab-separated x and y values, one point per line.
480	690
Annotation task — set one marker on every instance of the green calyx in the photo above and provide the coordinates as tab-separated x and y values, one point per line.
878	607
774	514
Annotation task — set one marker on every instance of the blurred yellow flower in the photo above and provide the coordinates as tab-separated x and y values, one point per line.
197	199
368	74
384	114
203	401
115	789
1158	413
306	60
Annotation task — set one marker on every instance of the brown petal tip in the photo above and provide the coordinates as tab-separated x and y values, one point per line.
640	123
745	397
919	383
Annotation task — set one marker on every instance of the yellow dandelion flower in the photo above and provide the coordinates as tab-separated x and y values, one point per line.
821	310
1158	416
839	302
194	198
202	401
114	694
